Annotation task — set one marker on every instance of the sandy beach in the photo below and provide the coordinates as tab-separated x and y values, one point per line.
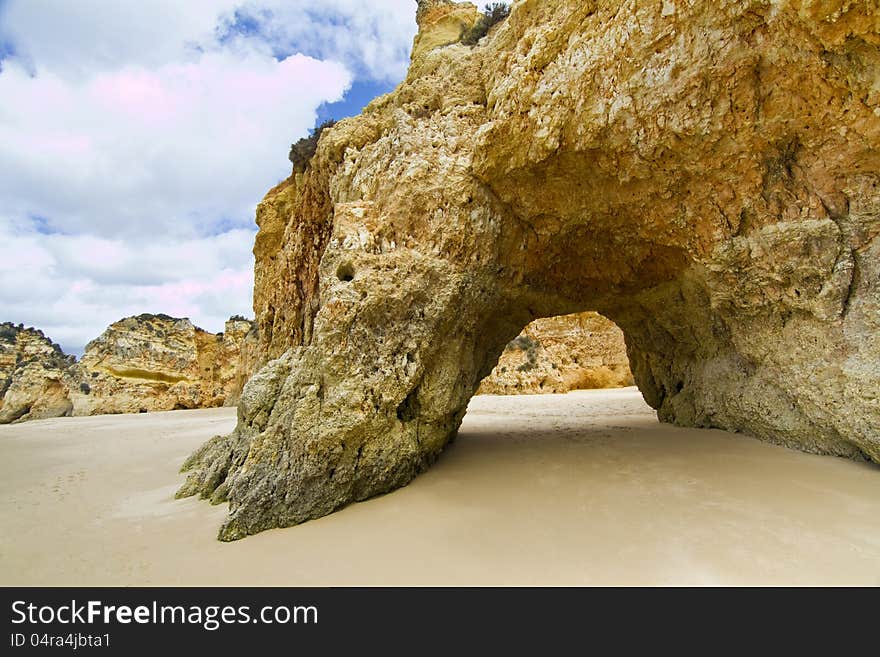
579	489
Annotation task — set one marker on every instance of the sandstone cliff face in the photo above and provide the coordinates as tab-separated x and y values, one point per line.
139	364
32	370
560	354
157	363
441	24
289	252
238	357
705	175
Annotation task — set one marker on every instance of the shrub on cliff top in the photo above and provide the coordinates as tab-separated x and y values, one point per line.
302	152
8	332
492	15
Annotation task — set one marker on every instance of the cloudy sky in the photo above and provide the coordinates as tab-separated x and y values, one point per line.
137	136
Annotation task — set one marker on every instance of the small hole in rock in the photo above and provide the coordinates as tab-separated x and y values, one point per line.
345	273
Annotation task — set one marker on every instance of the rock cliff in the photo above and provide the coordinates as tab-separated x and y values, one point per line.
139	364
32	370
238	357
705	175
158	363
560	354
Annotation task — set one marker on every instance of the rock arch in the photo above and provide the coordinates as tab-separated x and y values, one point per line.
706	177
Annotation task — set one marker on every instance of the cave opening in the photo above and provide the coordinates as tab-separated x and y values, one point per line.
553	355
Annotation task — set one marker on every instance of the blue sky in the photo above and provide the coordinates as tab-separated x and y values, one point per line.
356	98
136	139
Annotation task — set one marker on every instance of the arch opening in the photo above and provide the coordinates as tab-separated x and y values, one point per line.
580	351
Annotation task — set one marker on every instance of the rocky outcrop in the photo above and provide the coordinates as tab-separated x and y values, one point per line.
32	370
560	354
157	363
287	252
139	364
238	358
441	24
705	175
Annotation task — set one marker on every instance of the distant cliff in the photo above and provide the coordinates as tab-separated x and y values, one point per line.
139	364
158	363
560	354
32	371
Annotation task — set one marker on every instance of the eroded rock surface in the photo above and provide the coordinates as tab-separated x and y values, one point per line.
157	363
560	354
705	175
238	357
139	364
32	370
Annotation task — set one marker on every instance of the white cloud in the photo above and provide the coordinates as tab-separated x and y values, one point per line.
166	150
83	36
73	287
373	38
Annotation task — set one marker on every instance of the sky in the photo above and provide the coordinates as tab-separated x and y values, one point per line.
137	137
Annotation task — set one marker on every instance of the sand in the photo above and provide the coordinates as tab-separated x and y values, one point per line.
579	489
